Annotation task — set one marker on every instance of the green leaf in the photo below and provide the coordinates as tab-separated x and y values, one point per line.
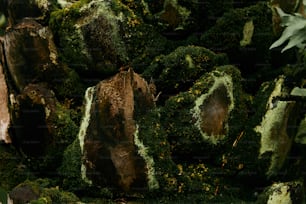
3	196
295	31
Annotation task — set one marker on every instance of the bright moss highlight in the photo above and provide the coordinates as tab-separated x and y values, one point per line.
143	152
273	129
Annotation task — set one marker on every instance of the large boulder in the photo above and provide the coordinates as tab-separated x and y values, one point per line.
269	134
107	146
206	117
283	193
98	37
42	127
30	53
31	57
40	191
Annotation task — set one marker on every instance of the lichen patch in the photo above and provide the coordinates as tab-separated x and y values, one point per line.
212	109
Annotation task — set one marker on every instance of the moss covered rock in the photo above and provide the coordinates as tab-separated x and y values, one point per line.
198	121
283	192
268	134
12	169
43	127
245	35
41	191
178	70
100	37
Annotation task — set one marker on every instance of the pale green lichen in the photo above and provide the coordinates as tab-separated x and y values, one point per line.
273	130
219	81
83	127
276	92
297	91
143	152
189	61
280	195
2	20
300	137
63	3
248	31
43	4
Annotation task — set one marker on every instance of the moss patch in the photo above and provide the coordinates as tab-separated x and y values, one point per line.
178	70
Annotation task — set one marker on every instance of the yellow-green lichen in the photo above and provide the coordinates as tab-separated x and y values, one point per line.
83	127
43	4
273	129
280	195
219	81
248	31
300	137
2	20
143	152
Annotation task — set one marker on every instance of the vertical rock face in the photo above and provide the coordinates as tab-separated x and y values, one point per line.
283	193
274	129
4	111
30	53
109	153
31	119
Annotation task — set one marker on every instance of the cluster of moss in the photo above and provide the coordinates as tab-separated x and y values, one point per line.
249	142
12	169
183	134
45	191
227	33
178	70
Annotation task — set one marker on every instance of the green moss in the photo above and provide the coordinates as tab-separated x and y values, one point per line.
12	169
228	32
143	43
70	169
178	70
48	194
69	85
155	146
176	150
180	121
205	15
88	36
249	143
63	131
56	195
72	48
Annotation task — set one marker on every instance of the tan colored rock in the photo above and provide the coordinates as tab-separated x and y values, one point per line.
110	155
4	110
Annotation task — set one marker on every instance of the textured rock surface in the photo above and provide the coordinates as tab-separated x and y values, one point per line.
221	120
4	102
106	137
30	53
42	127
288	192
109	147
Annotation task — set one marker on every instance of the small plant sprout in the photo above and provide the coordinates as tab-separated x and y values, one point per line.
294	32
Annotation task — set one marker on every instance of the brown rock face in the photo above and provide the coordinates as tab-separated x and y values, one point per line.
23	194
214	113
4	111
32	125
30	53
110	155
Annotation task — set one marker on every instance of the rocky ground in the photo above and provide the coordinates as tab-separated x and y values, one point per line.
140	101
